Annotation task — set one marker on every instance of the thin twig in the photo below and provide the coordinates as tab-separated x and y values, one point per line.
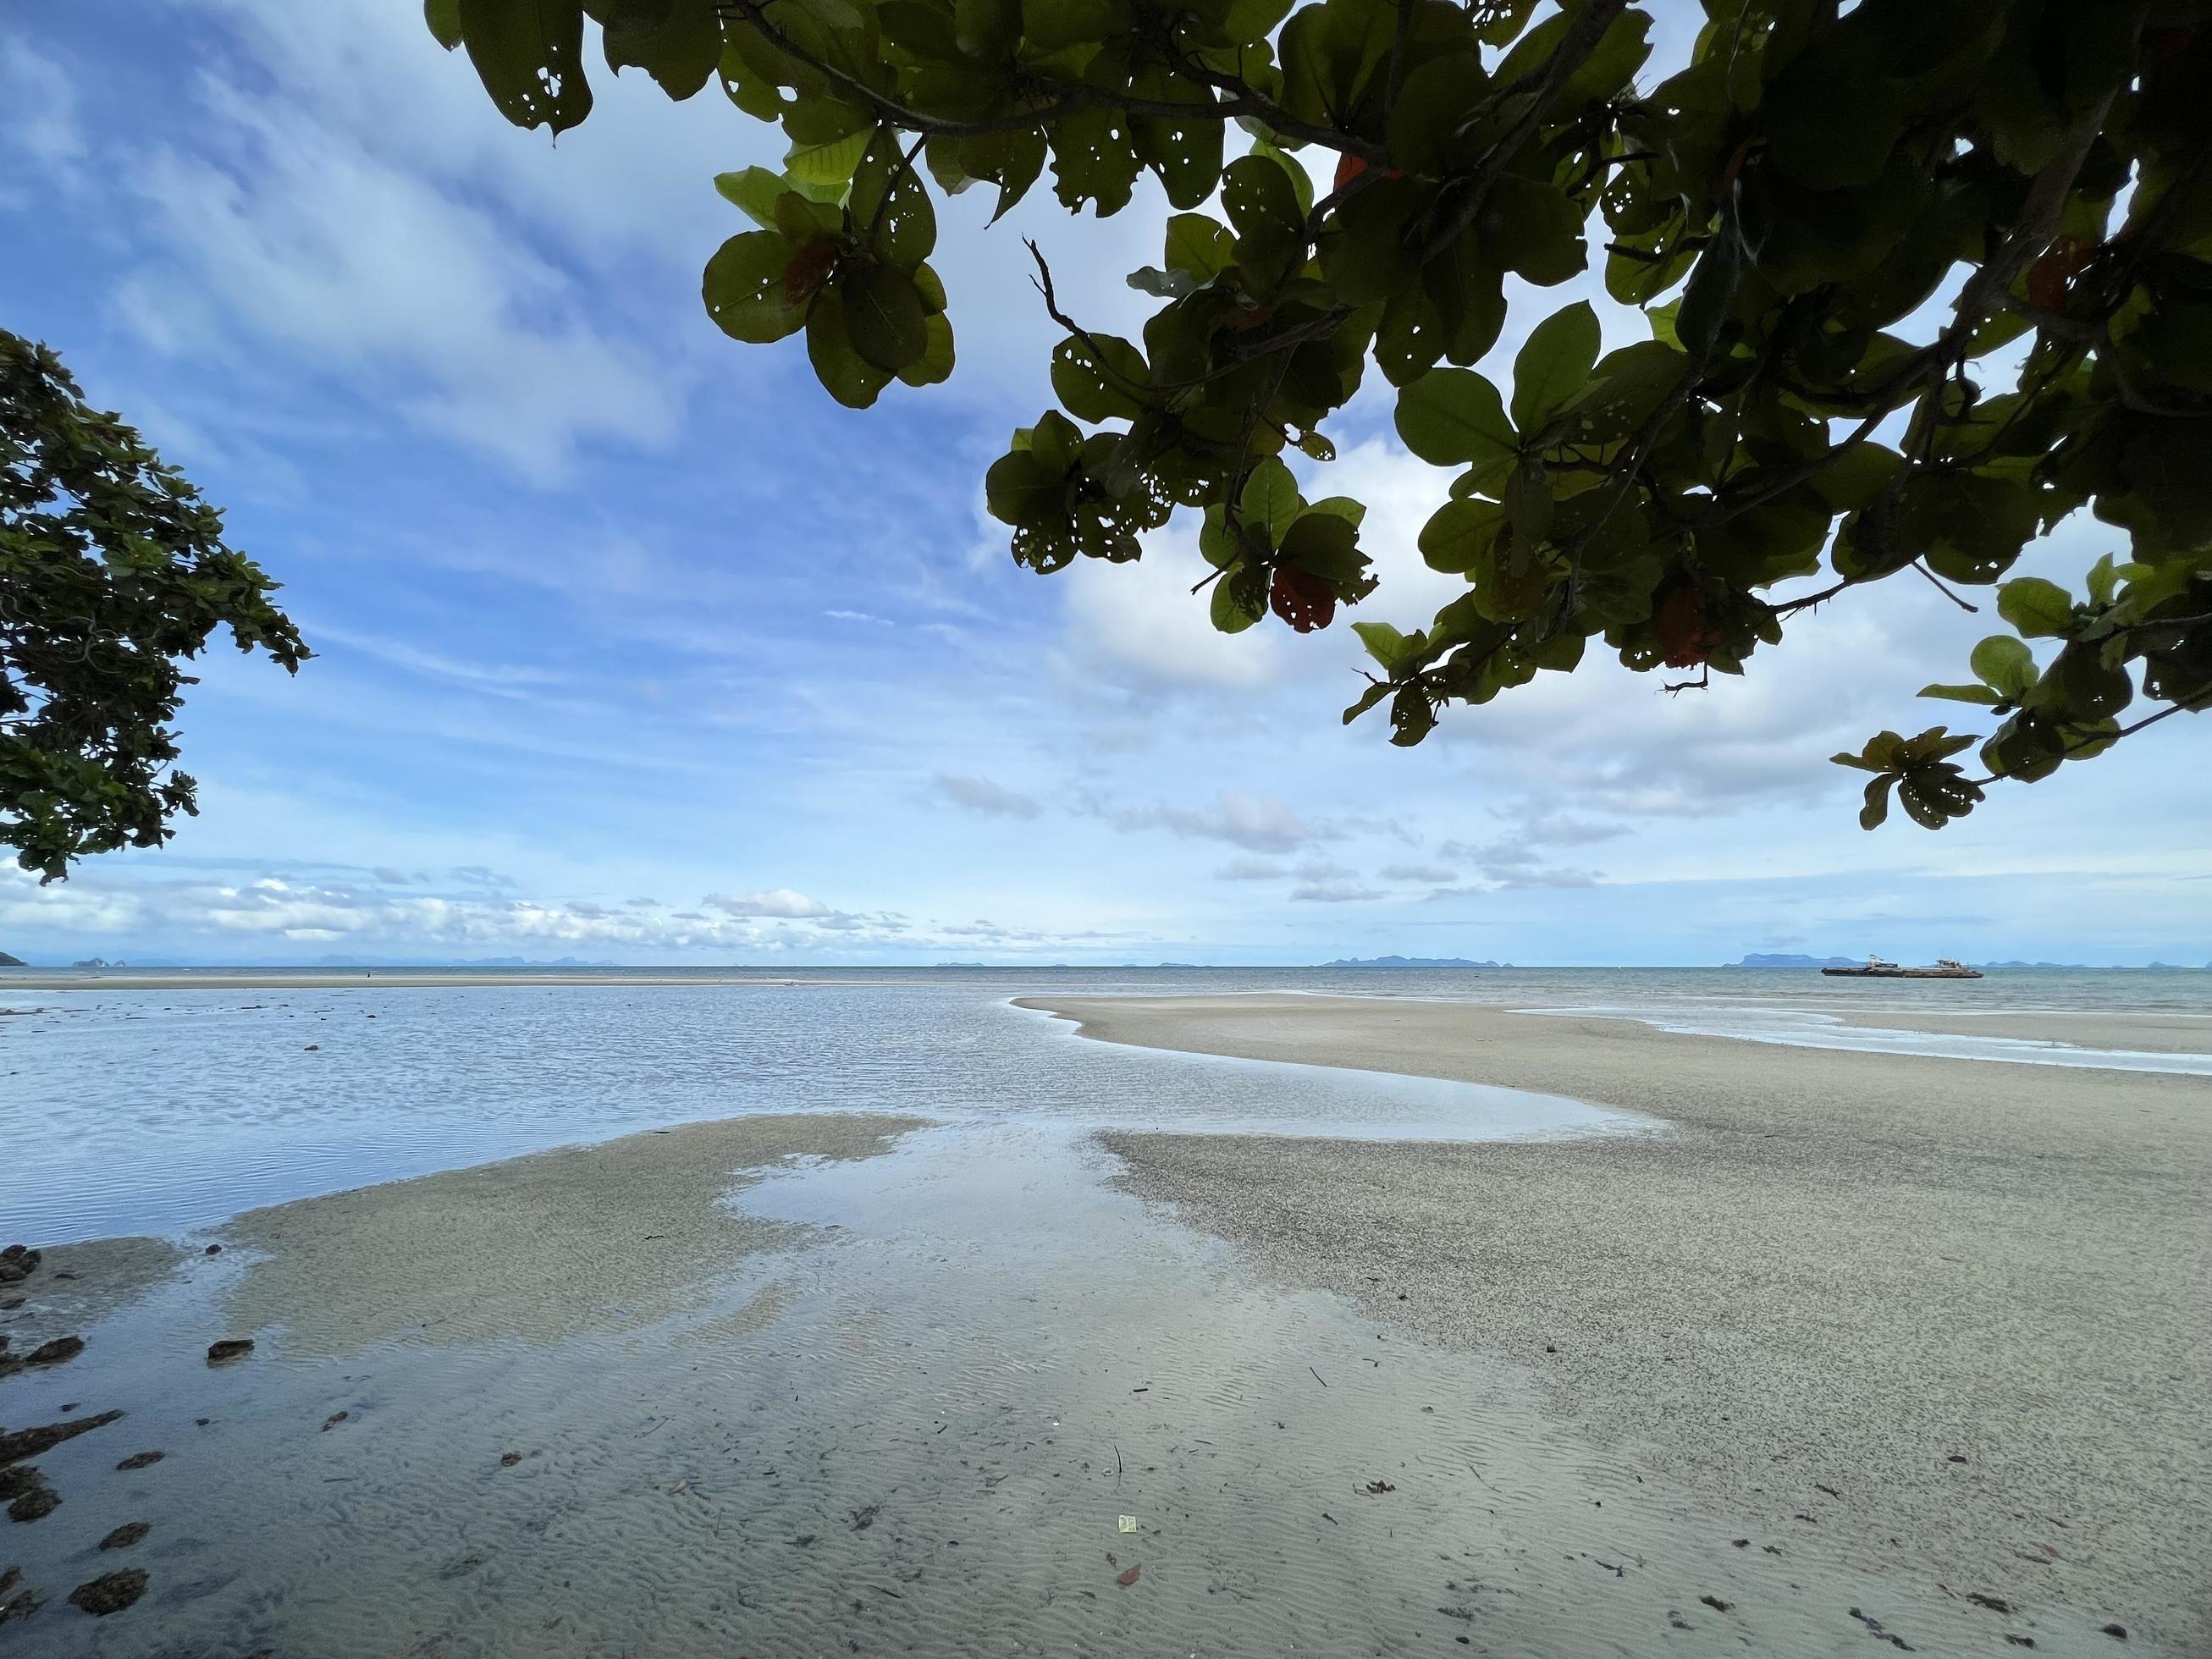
1937	584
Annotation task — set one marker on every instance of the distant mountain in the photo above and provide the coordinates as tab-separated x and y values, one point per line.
2078	967
1772	960
7	961
1412	962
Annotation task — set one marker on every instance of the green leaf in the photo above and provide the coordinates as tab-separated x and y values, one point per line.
1092	392
1459	536
1974	694
755	190
1257	195
1830	131
529	55
677	42
1455	418
1301	180
1384	643
1425	117
443	17
747	289
2039	608
828	164
1239	599
934	366
2005	665
1270	500
883	317
1325	546
1198	245
1534	229
1554	366
1876	809
890	205
845	374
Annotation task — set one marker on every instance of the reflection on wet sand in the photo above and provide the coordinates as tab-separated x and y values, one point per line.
898	1402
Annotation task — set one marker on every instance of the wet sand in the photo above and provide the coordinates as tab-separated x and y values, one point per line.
2129	1033
1939	1314
895	1396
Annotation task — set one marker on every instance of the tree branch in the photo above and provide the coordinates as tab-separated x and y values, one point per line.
1573	50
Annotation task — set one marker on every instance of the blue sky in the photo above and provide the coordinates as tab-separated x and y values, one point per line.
635	647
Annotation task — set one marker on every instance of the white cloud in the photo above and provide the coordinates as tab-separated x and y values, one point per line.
40	127
1333	892
1428	874
1264	825
295	235
777	902
1141	627
976	794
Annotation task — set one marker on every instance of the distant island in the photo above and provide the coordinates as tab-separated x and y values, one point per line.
1413	962
1775	961
7	961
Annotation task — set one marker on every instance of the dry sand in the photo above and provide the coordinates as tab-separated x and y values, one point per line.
1933	1312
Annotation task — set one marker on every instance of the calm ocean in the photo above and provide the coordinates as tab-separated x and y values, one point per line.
161	1110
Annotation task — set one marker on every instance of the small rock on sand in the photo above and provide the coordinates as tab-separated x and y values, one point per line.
15	1604
126	1534
30	1498
111	1593
230	1348
58	1351
142	1460
17	1444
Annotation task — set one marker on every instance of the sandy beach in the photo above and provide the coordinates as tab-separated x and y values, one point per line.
1929	1310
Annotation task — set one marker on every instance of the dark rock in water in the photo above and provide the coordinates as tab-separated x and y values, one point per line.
334	1419
2117	1632
126	1534
141	1460
230	1348
9	1579
20	1444
212	1249
17	1262
508	1460
110	1594
21	1605
35	1500
58	1351
13	1302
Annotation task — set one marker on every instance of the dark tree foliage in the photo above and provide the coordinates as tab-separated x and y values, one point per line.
1923	279
112	568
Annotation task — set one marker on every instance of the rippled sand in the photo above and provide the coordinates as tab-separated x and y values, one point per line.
1840	1272
889	1394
